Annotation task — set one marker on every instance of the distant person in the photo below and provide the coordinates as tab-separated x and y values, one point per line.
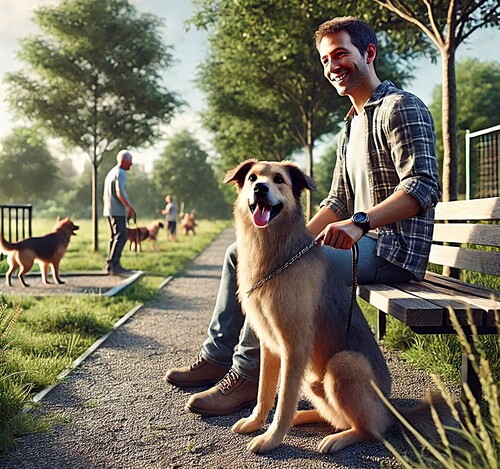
117	208
170	212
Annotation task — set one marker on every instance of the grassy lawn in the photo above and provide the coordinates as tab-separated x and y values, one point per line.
41	336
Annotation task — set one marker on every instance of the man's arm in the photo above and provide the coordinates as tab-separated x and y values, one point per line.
343	234
122	196
323	217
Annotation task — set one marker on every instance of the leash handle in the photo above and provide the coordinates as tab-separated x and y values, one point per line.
355	258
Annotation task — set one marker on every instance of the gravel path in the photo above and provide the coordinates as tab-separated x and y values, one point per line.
116	412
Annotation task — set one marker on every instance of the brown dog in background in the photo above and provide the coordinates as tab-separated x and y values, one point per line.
46	250
137	235
188	223
300	316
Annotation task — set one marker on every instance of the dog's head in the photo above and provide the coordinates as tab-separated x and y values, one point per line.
267	189
66	225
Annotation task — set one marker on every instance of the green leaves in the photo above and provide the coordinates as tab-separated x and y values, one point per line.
93	75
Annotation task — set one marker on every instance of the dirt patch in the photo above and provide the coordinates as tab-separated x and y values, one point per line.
93	283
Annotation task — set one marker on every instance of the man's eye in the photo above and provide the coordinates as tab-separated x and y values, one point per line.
252	177
278	179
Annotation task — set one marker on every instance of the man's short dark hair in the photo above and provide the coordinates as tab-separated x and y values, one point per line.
362	34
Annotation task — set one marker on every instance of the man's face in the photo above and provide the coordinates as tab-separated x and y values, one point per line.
343	65
126	163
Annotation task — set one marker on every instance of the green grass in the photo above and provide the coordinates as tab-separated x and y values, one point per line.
41	336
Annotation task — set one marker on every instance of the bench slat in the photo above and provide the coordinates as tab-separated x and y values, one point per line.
445	300
486	262
476	209
460	233
411	310
455	284
488	305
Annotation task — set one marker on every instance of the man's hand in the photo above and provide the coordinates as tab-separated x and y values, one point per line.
131	212
340	235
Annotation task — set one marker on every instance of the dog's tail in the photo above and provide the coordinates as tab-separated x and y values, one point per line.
420	417
7	246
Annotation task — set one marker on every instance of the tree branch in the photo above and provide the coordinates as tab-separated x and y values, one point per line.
396	7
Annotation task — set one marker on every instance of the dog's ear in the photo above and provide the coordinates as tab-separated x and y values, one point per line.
238	174
300	180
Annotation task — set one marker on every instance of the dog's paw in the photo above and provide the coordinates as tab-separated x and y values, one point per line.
247	425
264	443
338	441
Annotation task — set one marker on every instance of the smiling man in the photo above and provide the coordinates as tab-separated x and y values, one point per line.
383	193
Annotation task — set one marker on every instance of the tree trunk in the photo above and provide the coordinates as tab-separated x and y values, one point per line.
95	216
309	157
449	117
450	139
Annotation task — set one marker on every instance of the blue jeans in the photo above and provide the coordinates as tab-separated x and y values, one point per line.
228	327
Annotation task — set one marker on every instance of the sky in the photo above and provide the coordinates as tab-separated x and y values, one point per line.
189	48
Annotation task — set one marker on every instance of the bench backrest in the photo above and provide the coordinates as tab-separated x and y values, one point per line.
462	231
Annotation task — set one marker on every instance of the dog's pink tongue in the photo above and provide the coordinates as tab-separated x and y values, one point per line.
261	215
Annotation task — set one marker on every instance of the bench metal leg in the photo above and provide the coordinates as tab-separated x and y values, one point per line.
469	375
381	324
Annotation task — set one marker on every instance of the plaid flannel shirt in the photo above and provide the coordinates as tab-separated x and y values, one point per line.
401	146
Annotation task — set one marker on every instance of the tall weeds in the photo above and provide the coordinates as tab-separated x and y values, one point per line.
475	439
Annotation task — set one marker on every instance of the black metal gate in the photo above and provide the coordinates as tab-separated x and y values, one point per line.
15	222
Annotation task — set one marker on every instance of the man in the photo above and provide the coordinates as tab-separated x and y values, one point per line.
383	193
117	208
170	212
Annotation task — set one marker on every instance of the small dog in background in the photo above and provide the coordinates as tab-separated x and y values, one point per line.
188	223
137	235
46	250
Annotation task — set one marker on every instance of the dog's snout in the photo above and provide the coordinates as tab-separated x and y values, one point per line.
261	188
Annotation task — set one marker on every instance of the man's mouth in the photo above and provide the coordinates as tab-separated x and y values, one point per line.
263	213
338	78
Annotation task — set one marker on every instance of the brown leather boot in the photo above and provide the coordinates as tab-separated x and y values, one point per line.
231	394
200	373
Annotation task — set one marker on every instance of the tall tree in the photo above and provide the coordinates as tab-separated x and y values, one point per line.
28	172
265	85
93	78
477	105
447	24
183	170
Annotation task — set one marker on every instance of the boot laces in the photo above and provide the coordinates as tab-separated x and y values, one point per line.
199	361
229	380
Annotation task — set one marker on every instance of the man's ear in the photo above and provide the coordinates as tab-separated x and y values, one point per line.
371	53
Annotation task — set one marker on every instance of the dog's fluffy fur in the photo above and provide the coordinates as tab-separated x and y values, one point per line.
46	250
188	223
300	316
137	235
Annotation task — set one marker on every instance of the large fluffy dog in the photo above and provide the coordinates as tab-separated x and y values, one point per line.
137	235
46	250
300	316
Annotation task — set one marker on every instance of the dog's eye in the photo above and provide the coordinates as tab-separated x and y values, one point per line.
252	177
278	179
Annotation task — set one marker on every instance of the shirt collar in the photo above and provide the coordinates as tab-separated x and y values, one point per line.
381	91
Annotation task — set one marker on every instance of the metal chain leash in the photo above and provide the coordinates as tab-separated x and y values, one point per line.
283	267
355	256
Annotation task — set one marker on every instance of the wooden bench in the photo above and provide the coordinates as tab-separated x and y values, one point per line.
462	231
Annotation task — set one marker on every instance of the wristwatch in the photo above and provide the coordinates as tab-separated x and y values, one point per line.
362	220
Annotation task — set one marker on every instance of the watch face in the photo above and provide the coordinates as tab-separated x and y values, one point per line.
360	217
